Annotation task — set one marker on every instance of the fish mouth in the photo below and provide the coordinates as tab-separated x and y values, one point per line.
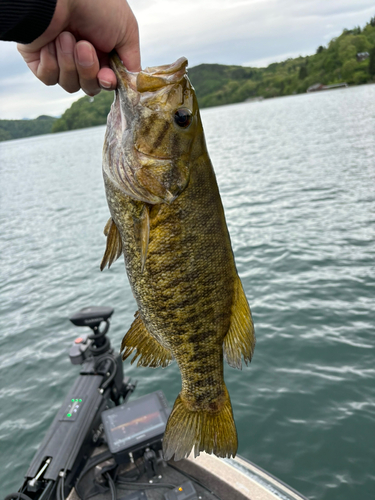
132	84
152	157
149	79
125	79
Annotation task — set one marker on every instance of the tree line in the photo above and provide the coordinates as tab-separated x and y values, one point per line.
348	58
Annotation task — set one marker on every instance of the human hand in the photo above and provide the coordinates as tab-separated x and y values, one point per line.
74	49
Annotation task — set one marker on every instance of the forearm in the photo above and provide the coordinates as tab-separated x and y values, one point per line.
24	20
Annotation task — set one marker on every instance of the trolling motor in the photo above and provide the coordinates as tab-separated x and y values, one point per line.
93	351
77	428
95	344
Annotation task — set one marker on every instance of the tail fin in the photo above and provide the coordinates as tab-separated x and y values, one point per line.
212	432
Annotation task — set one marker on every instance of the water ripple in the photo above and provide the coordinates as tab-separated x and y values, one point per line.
296	176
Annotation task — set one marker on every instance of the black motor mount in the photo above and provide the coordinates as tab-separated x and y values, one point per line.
91	316
96	343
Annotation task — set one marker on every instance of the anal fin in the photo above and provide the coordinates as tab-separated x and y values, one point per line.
113	249
150	352
240	339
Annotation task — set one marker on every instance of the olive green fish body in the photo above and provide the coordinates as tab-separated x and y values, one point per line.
182	272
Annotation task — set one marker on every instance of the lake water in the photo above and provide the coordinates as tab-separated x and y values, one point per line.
297	179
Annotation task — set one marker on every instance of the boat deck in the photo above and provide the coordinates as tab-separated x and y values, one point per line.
212	478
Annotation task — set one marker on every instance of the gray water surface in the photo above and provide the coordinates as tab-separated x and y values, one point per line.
297	179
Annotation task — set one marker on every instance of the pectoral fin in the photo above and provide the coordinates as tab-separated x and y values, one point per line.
113	249
142	233
240	339
150	352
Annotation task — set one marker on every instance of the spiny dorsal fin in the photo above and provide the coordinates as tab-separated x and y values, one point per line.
240	339
142	233
150	352
113	249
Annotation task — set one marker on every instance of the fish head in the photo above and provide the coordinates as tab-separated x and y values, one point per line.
152	130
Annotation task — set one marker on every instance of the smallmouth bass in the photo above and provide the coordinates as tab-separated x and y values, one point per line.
168	220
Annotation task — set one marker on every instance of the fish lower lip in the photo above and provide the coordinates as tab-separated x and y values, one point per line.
152	156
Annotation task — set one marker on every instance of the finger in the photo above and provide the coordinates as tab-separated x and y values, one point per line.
87	64
68	76
106	77
48	69
32	59
130	56
128	49
29	57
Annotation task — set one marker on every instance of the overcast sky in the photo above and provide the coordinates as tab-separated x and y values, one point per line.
245	32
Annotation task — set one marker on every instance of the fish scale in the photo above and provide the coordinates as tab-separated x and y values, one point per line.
168	221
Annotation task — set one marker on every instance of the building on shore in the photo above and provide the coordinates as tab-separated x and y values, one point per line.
362	56
319	86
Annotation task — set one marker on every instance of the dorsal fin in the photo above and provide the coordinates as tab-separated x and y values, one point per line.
113	248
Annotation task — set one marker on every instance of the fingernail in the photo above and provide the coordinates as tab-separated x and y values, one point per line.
105	85
85	55
66	43
52	48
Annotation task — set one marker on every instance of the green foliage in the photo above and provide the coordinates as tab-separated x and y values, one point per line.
360	77
346	48
218	84
371	65
86	112
302	72
348	69
15	129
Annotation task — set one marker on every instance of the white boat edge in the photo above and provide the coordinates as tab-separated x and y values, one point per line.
237	479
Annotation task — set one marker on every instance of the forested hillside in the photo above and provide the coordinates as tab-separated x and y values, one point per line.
218	84
86	112
348	58
14	129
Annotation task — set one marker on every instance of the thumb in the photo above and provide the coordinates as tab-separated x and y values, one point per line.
128	49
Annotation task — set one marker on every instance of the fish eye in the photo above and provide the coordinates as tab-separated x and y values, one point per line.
183	117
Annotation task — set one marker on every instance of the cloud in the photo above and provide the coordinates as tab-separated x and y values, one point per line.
250	32
29	101
24	96
232	32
